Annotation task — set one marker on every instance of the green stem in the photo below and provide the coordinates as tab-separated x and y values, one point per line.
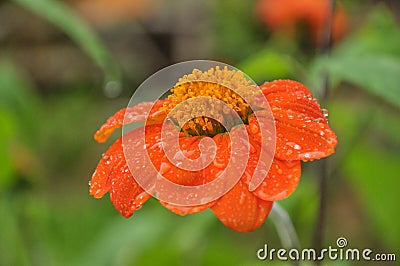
323	167
284	226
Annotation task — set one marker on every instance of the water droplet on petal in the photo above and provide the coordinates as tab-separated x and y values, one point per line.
242	198
164	168
325	113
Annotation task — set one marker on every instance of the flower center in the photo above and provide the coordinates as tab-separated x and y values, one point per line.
202	103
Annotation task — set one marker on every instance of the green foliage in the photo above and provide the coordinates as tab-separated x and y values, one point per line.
373	166
62	16
369	59
17	104
267	65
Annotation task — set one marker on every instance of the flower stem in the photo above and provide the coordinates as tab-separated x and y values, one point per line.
323	167
284	226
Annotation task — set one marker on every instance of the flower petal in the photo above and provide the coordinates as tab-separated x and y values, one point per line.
302	130
240	210
180	176
126	194
101	182
195	178
280	180
185	210
134	114
113	174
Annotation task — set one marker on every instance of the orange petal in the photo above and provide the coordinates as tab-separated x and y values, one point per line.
126	194
280	182
101	182
113	174
282	179
196	178
302	130
134	114
193	178
185	210
240	210
178	175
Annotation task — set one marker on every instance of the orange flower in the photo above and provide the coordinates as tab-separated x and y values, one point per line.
302	133
286	15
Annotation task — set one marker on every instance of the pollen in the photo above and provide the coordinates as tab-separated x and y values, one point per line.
192	103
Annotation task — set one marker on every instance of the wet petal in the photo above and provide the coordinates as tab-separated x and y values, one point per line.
279	183
185	210
101	182
134	114
240	210
126	194
302	130
113	174
189	147
280	179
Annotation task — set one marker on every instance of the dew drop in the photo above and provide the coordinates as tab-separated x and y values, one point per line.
325	113
242	199
164	168
318	120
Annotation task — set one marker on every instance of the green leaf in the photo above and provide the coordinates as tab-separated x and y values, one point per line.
377	74
374	177
380	34
59	14
268	65
369	58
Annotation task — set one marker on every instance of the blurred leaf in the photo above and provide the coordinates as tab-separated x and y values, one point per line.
236	33
18	98
66	19
373	168
377	74
267	65
18	126
370	59
13	248
376	172
380	34
6	133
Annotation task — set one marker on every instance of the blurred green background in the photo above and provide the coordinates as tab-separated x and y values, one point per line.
66	66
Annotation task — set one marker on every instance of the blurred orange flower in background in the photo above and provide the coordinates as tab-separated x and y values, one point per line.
288	15
302	133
